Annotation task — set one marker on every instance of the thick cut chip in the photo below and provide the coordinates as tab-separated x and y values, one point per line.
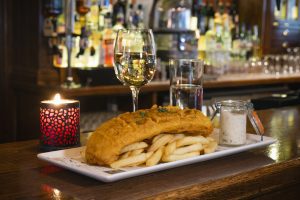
134	146
161	142
155	158
211	147
170	148
173	157
141	158
177	137
188	149
188	141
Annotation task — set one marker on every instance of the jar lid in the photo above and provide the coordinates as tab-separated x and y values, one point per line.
234	103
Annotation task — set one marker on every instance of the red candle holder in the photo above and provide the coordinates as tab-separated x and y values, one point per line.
59	124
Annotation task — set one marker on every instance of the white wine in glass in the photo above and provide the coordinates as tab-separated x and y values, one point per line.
135	59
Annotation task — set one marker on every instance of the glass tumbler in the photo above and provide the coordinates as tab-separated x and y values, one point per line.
186	89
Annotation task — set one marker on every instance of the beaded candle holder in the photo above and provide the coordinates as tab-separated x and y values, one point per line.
59	124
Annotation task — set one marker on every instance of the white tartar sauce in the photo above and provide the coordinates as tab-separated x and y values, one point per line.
233	128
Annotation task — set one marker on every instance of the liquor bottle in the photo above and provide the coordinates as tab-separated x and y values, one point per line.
119	23
249	44
83	42
283	9
219	40
58	52
219	12
292	10
221	8
243	36
195	8
105	8
51	9
226	35
61	26
194	17
210	37
256	43
243	41
93	16
236	42
83	6
108	37
130	17
202	17
295	11
141	16
119	10
210	15
233	14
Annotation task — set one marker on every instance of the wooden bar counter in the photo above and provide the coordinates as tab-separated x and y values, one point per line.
271	172
224	81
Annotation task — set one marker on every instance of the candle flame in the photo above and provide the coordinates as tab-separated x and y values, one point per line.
57	99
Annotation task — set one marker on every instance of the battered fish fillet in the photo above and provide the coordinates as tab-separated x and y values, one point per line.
106	142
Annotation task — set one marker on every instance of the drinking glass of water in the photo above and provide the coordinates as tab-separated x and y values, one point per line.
186	77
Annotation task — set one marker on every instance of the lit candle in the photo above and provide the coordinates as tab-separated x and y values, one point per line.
59	123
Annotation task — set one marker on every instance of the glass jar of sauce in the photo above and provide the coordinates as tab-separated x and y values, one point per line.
233	121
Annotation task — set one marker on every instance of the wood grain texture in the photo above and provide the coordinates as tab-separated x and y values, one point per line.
272	172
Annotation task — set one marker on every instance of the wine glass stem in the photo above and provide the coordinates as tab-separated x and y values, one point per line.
135	97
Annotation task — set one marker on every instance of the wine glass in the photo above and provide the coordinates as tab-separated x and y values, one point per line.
134	59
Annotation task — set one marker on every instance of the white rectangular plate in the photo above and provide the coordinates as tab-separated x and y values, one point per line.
71	159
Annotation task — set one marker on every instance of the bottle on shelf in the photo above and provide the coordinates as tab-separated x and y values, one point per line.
131	17
243	41
61	26
226	35
119	11
83	7
219	43
51	10
236	42
194	16
283	9
210	14
202	17
140	14
210	35
105	8
108	37
210	42
256	43
249	44
93	16
295	11
219	12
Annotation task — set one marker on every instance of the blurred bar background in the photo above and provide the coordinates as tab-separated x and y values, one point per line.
250	48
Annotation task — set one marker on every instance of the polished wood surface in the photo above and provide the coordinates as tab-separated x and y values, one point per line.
271	172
